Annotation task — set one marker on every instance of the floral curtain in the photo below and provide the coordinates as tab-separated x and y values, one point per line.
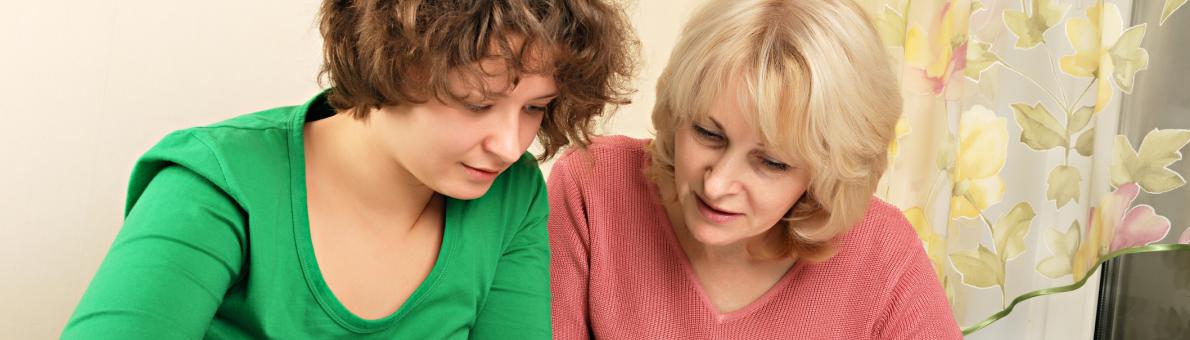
1008	144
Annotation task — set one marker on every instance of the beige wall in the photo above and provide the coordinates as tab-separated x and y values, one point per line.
87	86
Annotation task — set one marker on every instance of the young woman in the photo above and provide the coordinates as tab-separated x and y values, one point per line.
750	215
400	203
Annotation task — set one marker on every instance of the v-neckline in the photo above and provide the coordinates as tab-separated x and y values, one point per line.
305	246
688	268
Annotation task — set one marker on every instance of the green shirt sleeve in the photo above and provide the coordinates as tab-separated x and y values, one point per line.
518	305
169	268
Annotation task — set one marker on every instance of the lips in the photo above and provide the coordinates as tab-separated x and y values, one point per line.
486	170
714	214
481	173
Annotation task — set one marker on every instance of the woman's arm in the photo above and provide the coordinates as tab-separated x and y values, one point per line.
916	306
570	251
179	250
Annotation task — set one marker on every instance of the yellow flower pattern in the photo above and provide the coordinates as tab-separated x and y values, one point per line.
1104	51
982	151
952	60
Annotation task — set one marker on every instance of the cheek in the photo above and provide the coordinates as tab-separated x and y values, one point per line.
777	205
688	159
528	128
775	199
435	142
455	130
453	144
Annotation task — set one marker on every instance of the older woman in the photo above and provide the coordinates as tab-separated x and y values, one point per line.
751	214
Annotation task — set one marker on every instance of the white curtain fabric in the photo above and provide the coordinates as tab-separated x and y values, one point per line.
1007	159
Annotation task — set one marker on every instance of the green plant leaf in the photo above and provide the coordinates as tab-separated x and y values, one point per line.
1010	230
1030	28
979	58
1062	245
1079	119
1019	24
1039	130
1128	57
1159	150
1063	185
1123	161
980	267
1049	12
1170	7
1086	143
1149	167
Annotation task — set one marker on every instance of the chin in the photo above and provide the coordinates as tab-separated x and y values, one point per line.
464	191
709	234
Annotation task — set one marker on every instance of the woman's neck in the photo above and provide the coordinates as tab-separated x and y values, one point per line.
349	169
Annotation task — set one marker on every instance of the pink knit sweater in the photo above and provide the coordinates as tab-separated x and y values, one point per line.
618	272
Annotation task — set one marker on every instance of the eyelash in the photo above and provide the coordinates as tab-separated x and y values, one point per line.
712	137
534	109
707	134
477	108
775	165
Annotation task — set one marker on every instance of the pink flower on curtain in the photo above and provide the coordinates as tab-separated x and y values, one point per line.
1135	226
1116	225
937	53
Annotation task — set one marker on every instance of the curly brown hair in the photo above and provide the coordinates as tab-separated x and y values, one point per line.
391	52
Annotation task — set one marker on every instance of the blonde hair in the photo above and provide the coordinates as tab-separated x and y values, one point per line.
815	80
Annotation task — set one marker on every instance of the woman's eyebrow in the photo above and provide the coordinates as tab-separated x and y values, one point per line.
547	96
716	122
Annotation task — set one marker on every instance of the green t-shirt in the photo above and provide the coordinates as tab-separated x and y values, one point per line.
216	244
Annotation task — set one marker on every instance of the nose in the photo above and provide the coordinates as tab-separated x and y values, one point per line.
722	178
502	140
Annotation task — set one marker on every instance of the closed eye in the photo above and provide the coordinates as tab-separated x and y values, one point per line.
708	135
477	108
535	109
774	165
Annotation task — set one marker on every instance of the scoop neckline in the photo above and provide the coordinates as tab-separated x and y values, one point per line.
305	246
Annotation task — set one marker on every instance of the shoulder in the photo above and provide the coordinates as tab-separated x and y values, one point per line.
218	151
884	241
228	136
883	225
609	156
604	183
875	254
263	132
900	282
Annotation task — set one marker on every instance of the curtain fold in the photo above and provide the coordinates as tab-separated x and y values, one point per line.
1007	159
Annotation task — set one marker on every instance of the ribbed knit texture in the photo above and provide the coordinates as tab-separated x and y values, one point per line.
617	270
